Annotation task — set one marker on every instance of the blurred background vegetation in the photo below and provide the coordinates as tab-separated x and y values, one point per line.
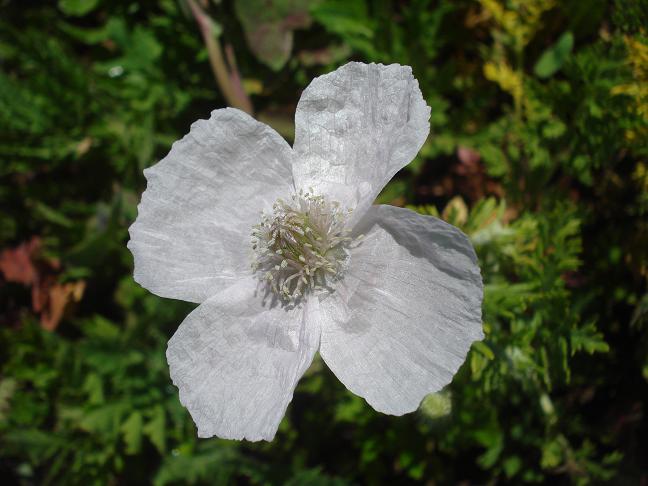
537	151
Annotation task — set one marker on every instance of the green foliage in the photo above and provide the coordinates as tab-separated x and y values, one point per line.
537	153
553	58
77	8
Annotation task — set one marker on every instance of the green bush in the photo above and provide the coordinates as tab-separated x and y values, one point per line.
537	151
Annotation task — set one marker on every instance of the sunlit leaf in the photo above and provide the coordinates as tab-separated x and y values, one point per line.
77	7
555	56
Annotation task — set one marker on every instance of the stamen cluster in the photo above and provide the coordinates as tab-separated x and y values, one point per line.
301	246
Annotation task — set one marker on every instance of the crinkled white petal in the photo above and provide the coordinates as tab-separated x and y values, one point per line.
355	128
402	321
236	362
191	236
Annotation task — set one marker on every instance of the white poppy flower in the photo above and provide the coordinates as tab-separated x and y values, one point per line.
267	239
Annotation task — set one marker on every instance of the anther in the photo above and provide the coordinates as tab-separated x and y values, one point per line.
301	245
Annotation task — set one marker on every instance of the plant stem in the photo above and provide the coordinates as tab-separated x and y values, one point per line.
228	81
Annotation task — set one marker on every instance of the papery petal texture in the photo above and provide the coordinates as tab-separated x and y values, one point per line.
355	128
236	361
190	238
407	312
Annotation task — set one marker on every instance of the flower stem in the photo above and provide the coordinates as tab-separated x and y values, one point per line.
229	80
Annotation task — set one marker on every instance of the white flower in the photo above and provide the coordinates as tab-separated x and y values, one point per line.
267	239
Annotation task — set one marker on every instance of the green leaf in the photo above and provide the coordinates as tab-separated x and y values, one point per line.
437	405
588	339
85	35
493	440
552	453
77	8
351	21
512	465
315	477
51	215
132	432
100	328
346	18
155	429
37	444
484	349
104	419
349	410
496	162
555	56
93	386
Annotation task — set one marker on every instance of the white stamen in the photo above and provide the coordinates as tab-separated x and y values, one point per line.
302	245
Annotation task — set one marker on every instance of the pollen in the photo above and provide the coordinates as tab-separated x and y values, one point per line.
301	246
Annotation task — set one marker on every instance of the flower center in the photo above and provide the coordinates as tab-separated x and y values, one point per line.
301	246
